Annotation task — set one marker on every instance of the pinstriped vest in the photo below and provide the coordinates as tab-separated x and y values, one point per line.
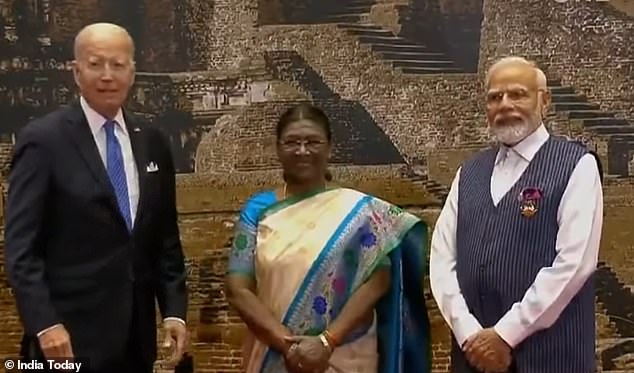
500	252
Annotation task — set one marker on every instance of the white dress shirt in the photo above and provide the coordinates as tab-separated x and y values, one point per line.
96	122
580	219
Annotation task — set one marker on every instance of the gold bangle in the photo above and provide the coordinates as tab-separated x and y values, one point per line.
331	339
325	342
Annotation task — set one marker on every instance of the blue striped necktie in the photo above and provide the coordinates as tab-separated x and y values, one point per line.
116	171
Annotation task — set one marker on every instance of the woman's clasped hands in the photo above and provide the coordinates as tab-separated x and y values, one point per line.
307	354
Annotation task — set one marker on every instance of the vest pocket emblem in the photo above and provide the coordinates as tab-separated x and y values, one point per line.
529	201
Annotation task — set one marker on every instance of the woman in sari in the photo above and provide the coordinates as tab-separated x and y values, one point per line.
327	279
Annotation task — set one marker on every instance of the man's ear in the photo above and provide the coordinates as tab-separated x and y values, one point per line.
76	71
133	79
545	101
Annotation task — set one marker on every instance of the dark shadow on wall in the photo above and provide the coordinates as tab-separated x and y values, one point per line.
610	355
184	136
273	12
160	30
569	103
29	94
128	14
452	26
359	139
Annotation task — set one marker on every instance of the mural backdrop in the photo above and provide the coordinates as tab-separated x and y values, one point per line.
401	81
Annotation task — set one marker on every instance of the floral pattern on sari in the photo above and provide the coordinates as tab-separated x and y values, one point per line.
242	250
362	243
244	243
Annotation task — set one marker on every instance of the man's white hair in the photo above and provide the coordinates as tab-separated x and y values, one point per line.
103	28
542	82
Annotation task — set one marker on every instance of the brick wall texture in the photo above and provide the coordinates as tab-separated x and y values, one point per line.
584	43
402	82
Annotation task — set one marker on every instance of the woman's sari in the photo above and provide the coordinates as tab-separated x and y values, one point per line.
309	254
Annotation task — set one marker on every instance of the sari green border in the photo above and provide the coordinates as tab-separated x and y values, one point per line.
280	205
241	274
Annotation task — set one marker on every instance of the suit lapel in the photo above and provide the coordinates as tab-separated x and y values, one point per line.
79	131
140	152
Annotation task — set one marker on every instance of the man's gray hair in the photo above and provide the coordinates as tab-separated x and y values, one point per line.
542	82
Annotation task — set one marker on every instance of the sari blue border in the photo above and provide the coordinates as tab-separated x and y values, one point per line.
324	253
315	268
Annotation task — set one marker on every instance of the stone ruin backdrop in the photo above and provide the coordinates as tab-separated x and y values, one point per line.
401	80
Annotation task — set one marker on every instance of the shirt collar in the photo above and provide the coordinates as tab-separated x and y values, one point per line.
96	120
528	147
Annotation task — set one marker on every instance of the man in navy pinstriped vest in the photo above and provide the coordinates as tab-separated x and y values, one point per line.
516	244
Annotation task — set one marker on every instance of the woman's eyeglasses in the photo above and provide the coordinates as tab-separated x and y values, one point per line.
310	145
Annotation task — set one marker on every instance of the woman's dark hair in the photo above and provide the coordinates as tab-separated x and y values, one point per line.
305	111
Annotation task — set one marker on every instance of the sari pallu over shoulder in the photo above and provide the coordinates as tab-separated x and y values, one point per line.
371	234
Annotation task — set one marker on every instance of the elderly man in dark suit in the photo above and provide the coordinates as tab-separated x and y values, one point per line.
91	234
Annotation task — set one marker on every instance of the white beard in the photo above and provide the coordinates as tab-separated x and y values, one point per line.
515	132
